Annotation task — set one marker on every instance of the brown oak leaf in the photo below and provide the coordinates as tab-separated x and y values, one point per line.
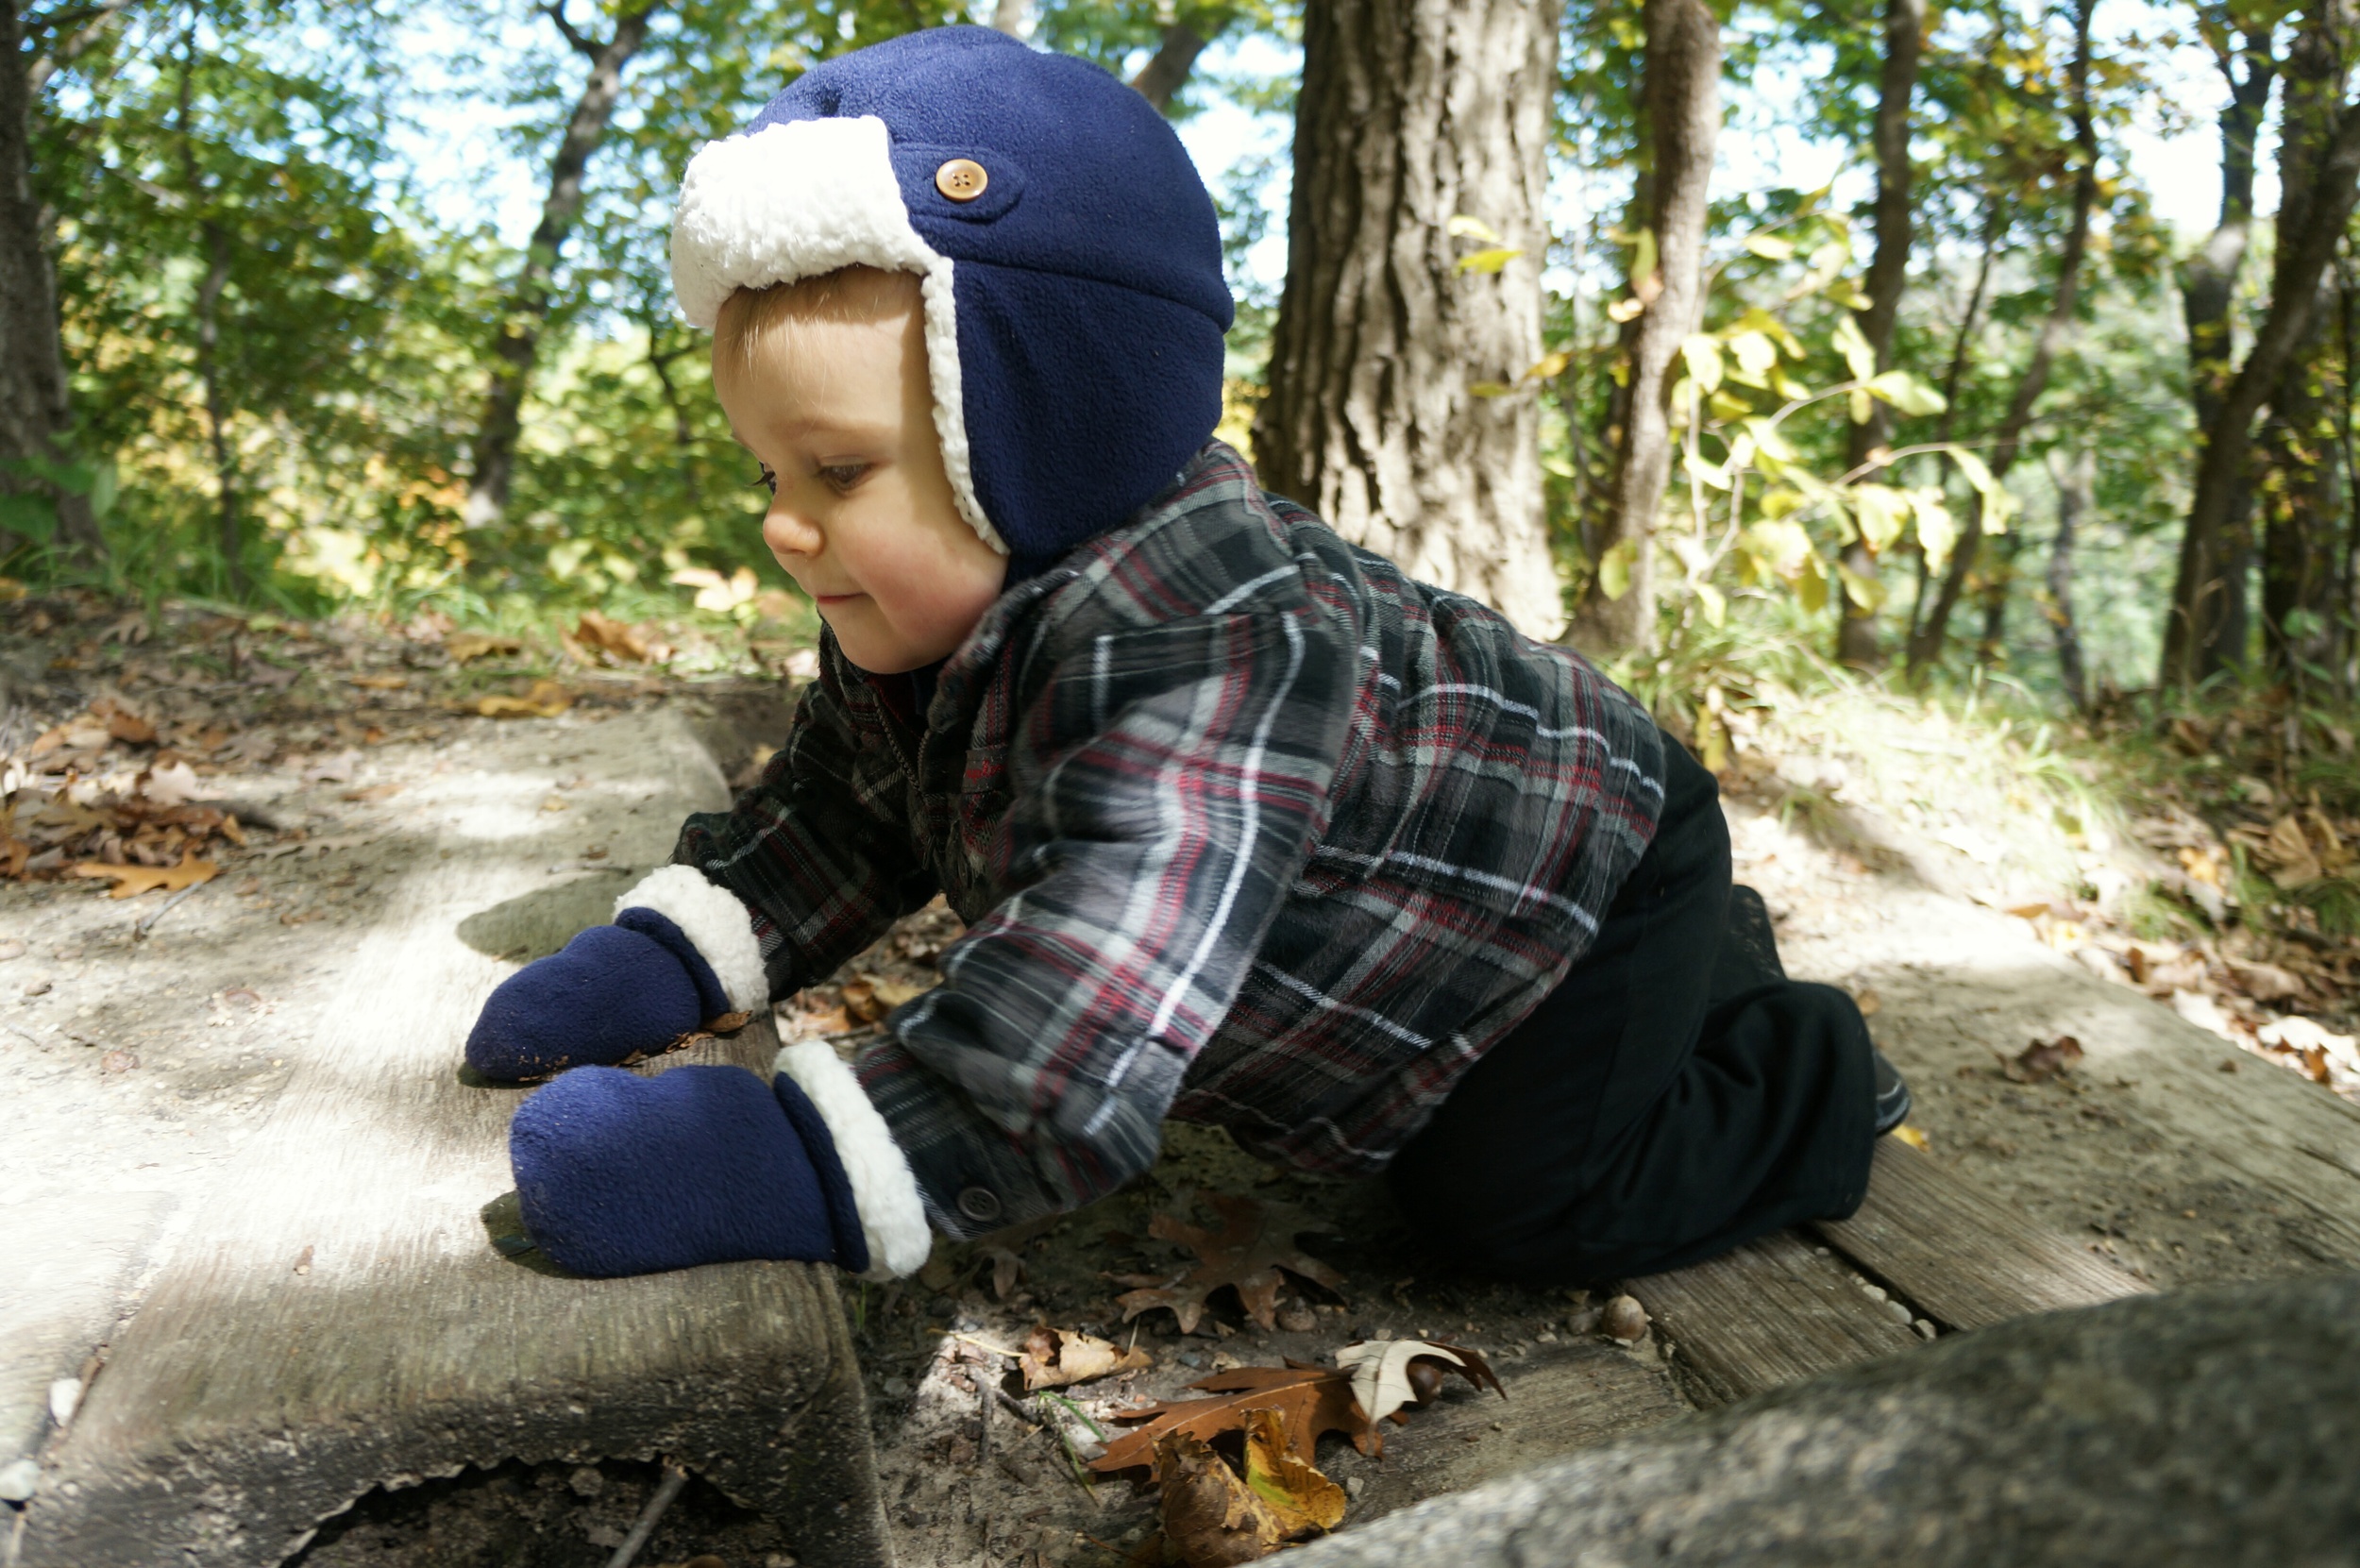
1255	1243
1310	1400
1054	1357
2042	1060
147	878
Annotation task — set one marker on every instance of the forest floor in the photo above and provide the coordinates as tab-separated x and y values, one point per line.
1983	897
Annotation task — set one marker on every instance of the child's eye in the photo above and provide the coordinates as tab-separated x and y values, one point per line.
840	477
767	479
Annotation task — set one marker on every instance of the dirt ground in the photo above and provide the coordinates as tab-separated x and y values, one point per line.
143	1043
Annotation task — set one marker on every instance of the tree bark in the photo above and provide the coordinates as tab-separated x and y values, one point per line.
2306	243
2208	285
36	402
520	340
1962	344
2077	480
1682	91
1926	646
2297	439
1411	112
214	241
1857	642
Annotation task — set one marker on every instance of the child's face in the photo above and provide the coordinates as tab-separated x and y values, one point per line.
840	416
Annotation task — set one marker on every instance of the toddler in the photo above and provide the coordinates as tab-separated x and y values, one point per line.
1247	827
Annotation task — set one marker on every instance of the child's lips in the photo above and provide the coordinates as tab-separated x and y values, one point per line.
824	600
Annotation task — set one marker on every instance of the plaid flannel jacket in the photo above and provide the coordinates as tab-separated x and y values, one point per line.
1248	829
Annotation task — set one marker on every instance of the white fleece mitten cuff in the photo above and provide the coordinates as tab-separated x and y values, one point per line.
892	1216
716	922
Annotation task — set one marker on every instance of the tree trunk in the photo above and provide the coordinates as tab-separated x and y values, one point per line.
2298	442
1905	32
1683	89
527	312
1167	72
1411	112
2077	482
36	406
216	405
2306	243
1962	344
2208	286
1926	646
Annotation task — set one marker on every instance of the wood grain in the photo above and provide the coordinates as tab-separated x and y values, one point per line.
1772	1312
1561	1398
1962	1257
248	1400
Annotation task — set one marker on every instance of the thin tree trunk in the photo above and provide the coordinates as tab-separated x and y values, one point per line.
2306	243
2298	449
36	405
1905	29
1925	646
1013	17
1995	228
214	241
1411	112
2208	285
1683	118
519	342
1166	72
683	428
2077	481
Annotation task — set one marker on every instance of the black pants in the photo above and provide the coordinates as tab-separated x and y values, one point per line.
1668	1100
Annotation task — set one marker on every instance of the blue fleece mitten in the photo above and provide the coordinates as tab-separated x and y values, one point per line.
618	992
619	1174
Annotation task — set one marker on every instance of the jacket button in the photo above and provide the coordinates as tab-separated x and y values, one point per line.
980	1203
961	180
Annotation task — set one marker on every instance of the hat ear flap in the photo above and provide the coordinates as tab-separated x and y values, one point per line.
1083	401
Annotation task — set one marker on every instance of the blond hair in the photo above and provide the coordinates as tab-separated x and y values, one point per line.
855	295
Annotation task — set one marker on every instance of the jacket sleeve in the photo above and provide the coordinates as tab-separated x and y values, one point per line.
1169	782
818	850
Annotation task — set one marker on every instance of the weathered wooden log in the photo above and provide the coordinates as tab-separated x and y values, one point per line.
2213	1426
341	1320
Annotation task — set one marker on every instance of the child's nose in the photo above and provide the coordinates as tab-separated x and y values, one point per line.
789	533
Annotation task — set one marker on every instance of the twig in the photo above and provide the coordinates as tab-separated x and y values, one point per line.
1015	1407
148	922
674	1479
980	1344
983	1388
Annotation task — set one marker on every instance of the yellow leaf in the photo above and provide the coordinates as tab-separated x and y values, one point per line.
1937	531
1550	364
1848	341
1846	292
1701	472
1642	266
1907	393
1911	1136
1860	407
1866	592
1491	259
1781	544
1297	1493
1810	586
1489	389
1624	308
1615	569
546	699
130	880
1716	608
1770	247
1754	352
1882	512
463	646
1461	226
1702	353
1722	406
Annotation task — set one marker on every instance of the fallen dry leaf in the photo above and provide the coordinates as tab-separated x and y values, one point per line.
1211	1519
2263	981
1056	1357
466	646
1286	1481
2288	854
546	699
379	683
1912	1137
2042	1060
1255	1243
130	880
1311	1401
1389	1374
117	1061
610	636
861	1003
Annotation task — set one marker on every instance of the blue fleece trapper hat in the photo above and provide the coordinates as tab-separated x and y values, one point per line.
1075	303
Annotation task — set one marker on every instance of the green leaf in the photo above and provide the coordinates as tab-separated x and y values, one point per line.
29	516
1489	260
1907	393
1754	352
1489	389
1770	247
106	485
1615	569
1781	544
1559	466
1810	586
1860	404
1937	531
1701	472
1643	257
1726	407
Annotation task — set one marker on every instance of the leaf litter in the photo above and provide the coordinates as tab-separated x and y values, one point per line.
1255	1242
